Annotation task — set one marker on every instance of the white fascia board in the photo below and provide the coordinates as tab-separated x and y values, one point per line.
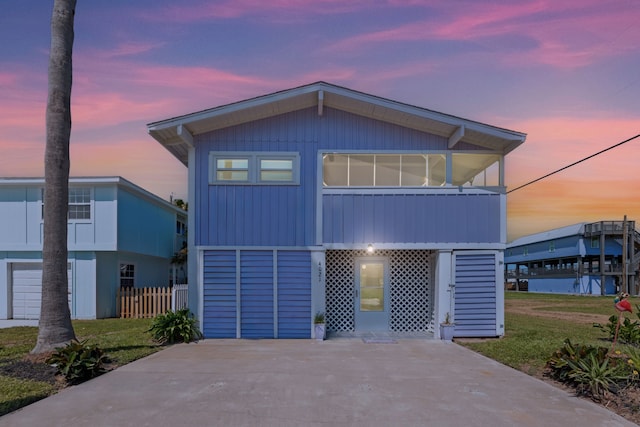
72	180
417	246
232	108
429	114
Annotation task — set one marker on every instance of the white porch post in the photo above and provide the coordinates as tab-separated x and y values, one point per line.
194	263
444	290
318	288
500	293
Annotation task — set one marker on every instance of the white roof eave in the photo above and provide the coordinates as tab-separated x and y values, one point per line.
167	132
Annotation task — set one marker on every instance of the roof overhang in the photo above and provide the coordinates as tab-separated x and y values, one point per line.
177	134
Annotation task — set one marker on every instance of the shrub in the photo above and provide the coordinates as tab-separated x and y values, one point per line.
558	364
595	376
589	369
628	333
79	361
173	327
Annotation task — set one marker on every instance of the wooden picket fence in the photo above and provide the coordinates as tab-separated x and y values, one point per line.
142	303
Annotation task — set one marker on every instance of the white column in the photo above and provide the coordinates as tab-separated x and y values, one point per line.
443	289
500	293
318	287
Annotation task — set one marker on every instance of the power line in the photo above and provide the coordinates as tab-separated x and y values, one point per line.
574	163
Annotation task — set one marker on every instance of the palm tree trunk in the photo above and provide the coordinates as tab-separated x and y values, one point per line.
55	328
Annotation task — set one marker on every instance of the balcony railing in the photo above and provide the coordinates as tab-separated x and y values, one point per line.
608	227
561	272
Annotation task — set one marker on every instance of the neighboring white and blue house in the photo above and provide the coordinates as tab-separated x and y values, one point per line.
118	235
576	259
383	215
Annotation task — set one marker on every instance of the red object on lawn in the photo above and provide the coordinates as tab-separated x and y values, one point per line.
621	304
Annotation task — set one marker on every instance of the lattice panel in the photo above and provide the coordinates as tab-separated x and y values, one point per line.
339	279
409	292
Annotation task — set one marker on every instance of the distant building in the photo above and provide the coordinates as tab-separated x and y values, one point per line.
385	216
584	258
119	235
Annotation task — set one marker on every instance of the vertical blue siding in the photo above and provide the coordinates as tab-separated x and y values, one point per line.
286	215
256	293
294	294
256	277
134	234
475	295
219	287
411	218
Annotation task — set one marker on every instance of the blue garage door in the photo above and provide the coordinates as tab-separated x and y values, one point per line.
257	294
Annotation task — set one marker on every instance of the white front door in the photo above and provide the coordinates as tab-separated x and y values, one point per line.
371	294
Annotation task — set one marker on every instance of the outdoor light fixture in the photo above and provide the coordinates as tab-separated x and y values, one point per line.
370	248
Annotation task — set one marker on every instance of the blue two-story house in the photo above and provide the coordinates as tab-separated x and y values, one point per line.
383	215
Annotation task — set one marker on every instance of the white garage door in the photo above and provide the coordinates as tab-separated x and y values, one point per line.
27	283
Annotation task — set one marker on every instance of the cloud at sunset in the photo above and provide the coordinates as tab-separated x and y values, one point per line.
277	10
547	36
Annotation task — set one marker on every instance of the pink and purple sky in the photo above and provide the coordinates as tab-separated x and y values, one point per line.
566	72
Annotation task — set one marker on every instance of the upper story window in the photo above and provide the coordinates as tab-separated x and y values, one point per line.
478	170
383	170
272	169
254	168
411	170
181	227
230	169
79	203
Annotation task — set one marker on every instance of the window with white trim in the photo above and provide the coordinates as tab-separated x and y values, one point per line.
127	275
79	207
276	169
232	169
411	169
254	168
383	170
79	203
181	227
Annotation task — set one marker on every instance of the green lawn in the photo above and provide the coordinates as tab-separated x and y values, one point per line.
124	340
529	340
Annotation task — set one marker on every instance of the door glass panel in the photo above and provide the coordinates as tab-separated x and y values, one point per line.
372	287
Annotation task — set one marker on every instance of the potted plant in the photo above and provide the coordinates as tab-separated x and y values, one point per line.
447	328
319	326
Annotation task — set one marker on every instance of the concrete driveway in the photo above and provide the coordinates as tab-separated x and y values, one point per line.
340	382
